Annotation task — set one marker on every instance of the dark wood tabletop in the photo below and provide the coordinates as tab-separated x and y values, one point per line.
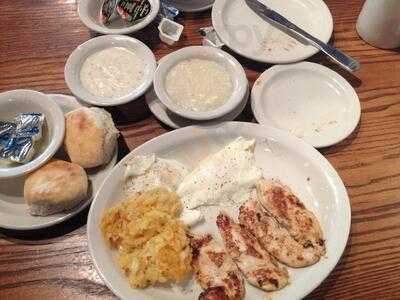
36	38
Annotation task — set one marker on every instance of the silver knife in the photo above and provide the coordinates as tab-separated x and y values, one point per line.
336	55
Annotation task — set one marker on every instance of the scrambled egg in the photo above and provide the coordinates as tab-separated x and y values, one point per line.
152	242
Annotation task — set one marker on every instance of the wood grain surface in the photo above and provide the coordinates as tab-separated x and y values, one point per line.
35	40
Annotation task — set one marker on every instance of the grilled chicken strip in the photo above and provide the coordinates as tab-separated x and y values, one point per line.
274	238
290	212
259	268
214	293
215	270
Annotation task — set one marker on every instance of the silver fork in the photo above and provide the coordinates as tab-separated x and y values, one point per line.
342	59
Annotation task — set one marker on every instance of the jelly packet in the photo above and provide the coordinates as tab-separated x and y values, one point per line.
133	11
6	129
108	12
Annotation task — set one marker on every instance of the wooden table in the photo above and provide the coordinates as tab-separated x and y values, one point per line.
35	40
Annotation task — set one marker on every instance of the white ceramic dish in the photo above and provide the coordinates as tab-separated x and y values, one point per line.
190	5
82	52
164	115
13	210
308	100
234	68
250	36
280	155
20	101
89	12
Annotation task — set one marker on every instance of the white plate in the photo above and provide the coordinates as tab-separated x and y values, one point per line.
13	211
247	34
190	5
89	12
83	51
163	114
309	100
280	155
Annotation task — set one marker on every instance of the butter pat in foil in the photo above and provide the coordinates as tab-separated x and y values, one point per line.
133	11
167	11
19	150
6	129
17	139
30	125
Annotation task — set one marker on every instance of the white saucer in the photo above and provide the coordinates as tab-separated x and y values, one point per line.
309	100
246	33
13	211
190	5
164	115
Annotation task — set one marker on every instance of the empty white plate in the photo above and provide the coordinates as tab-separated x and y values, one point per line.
309	100
13	210
164	115
246	33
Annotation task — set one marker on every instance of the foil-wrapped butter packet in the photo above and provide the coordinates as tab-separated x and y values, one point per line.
29	125
17	139
6	129
19	150
133	11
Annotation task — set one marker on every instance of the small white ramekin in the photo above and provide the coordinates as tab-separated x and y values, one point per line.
236	71
82	52
89	13
15	102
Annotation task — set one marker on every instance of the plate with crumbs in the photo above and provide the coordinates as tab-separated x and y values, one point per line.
242	30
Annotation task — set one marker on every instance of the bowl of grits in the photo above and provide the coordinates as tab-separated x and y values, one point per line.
89	14
110	70
200	83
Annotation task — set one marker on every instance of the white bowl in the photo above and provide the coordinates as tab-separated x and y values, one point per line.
82	52
89	12
236	71
20	101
